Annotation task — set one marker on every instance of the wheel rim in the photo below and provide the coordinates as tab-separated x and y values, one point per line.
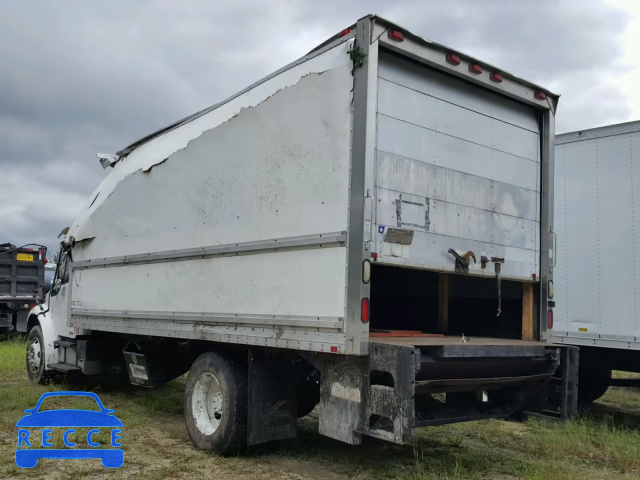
34	356
207	403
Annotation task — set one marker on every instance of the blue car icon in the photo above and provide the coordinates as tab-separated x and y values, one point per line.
65	418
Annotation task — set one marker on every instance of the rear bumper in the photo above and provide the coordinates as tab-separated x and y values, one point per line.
407	383
456	381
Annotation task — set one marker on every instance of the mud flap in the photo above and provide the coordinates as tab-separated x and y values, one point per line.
390	409
272	412
561	399
151	364
371	396
342	398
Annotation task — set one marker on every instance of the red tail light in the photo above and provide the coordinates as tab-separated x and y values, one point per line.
540	95
396	35
496	77
473	68
364	310
550	319
344	32
453	59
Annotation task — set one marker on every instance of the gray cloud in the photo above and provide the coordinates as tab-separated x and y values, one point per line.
77	78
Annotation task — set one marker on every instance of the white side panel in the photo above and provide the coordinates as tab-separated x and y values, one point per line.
458	165
596	218
164	146
577	230
298	283
276	170
617	249
280	169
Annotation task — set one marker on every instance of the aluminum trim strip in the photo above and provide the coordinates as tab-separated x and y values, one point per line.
320	323
334	239
598	132
597	342
594	336
305	340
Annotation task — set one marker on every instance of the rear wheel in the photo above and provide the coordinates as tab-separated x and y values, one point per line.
215	404
593	381
35	357
308	392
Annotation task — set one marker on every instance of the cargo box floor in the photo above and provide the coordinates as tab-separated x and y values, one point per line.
455	346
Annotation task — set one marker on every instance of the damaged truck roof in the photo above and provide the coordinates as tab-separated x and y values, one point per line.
321	47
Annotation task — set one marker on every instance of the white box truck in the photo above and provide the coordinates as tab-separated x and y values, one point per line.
367	229
597	214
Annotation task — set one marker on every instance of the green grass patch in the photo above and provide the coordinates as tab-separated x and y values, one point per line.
603	442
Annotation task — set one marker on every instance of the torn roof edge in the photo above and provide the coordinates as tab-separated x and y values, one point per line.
331	42
127	150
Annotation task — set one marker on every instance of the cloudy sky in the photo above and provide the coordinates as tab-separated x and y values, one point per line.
78	77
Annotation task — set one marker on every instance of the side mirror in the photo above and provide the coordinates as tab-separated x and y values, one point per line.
57	285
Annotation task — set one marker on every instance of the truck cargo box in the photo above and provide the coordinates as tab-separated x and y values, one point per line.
21	284
378	213
251	221
597	208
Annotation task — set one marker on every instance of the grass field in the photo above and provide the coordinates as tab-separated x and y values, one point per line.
603	443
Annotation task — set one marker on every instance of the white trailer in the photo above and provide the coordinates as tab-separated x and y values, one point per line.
368	228
597	213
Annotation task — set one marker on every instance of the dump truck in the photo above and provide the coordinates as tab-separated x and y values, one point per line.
21	284
597	223
365	231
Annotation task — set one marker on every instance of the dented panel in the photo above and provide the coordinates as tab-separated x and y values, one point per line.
458	166
415	177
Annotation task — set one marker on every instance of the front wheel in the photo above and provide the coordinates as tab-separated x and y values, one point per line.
215	404
35	357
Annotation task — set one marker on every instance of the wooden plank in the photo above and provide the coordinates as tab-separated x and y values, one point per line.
443	303
528	331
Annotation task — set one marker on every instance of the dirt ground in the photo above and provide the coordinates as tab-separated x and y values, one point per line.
603	443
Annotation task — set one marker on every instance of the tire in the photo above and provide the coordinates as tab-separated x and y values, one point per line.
35	357
215	404
593	382
308	393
